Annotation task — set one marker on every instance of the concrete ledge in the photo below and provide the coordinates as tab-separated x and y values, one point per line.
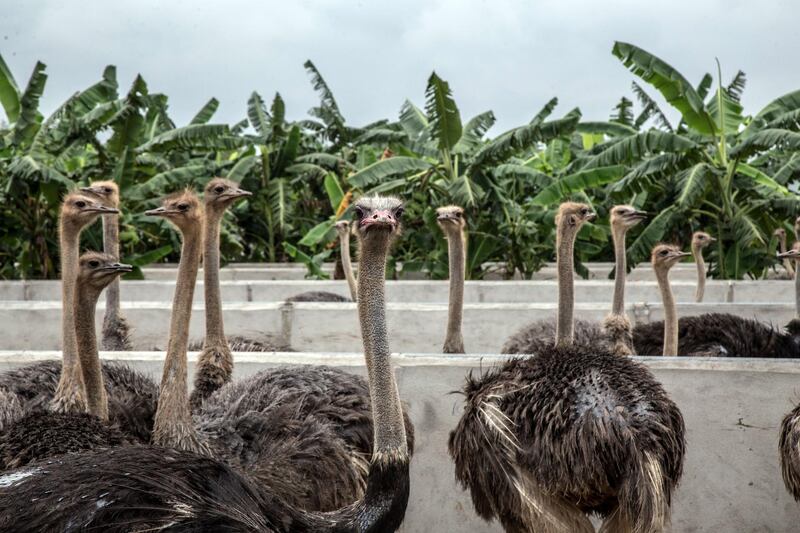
333	327
732	409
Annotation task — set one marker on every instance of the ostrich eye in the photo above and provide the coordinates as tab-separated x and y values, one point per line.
584	211
459	214
183	207
219	189
359	212
399	212
94	263
107	190
80	203
664	252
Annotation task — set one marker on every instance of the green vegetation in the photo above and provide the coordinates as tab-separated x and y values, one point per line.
717	169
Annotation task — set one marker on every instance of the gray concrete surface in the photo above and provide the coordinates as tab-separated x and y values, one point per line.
732	409
427	291
333	327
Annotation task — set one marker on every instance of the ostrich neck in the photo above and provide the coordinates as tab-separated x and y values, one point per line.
787	263
344	240
173	422
620	271
700	264
454	340
670	313
70	393
215	331
111	247
565	243
85	303
390	434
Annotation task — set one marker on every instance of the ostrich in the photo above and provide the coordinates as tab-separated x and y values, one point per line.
215	363
780	233
663	258
700	240
722	334
143	488
451	219
616	328
343	231
576	430
77	212
116	331
41	433
302	399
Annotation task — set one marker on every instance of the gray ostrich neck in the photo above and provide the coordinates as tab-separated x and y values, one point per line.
173	422
85	303
215	329
700	264
620	271
390	434
670	313
565	244
111	247
347	265
797	289
70	394
454	340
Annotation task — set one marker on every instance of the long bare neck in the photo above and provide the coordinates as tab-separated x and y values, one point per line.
215	330
85	303
387	413
565	244
620	271
70	394
111	247
347	265
787	263
797	289
454	340
700	264
670	313
173	425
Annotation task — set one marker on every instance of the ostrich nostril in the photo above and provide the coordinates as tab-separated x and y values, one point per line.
375	216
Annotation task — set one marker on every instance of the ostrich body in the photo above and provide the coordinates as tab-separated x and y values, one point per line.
616	327
722	335
700	240
141	488
301	399
343	231
42	434
576	430
451	219
215	363
116	330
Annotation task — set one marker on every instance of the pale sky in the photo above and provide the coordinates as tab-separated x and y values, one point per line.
504	55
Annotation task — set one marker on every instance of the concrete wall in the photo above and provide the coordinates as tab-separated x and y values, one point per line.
333	327
732	408
428	291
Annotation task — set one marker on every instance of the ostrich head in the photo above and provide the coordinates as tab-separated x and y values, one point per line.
624	217
780	233
220	194
701	239
450	218
105	192
96	270
571	216
666	256
182	209
342	228
378	217
80	210
792	253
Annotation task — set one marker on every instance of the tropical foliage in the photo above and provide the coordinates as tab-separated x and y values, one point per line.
715	168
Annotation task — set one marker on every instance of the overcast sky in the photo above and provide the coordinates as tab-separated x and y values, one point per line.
503	55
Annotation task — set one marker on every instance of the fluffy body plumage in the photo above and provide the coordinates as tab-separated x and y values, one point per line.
47	434
718	335
132	396
301	399
540	336
318	296
789	448
612	418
